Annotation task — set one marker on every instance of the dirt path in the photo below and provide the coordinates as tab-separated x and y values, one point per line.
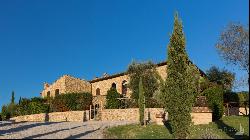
56	130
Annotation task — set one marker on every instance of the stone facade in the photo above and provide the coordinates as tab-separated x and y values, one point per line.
71	116
99	100
203	116
98	86
106	84
66	84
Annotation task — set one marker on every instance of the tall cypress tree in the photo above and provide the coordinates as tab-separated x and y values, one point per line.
181	83
141	101
13	97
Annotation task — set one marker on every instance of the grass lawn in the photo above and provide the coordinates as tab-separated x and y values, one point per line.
222	129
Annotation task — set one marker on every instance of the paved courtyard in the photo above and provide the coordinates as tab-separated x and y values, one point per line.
56	130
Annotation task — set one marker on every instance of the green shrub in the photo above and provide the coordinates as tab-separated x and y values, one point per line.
5	113
214	97
131	103
153	103
8	111
111	99
71	102
34	105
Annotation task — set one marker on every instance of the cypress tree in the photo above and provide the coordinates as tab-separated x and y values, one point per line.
181	83
13	97
141	102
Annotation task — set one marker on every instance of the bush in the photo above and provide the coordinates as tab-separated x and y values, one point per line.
34	105
132	103
111	99
214	97
71	102
5	112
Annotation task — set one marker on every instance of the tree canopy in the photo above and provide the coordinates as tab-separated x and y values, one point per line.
233	45
222	77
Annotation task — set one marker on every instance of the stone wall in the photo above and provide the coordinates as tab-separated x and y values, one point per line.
58	84
162	70
66	84
72	116
203	116
105	85
242	111
76	85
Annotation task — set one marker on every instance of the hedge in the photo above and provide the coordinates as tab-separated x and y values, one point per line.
71	102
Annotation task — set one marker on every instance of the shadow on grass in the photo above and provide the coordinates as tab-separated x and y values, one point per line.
230	131
25	127
168	126
52	132
82	134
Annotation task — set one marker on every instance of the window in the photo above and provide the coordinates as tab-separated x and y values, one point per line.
124	87
113	85
57	92
97	92
48	94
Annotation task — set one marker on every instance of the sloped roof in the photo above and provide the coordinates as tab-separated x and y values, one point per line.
124	73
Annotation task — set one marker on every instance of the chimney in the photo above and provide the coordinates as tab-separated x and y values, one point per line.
45	85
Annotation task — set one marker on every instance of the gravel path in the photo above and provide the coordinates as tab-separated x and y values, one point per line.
56	130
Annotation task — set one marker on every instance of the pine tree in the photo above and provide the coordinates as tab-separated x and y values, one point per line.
181	83
141	102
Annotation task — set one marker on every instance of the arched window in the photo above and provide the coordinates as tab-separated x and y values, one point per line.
124	87
48	94
113	85
57	92
97	92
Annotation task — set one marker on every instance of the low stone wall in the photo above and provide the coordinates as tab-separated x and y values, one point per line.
243	111
201	118
130	114
74	116
200	115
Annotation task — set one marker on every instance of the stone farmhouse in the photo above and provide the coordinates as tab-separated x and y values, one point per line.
98	86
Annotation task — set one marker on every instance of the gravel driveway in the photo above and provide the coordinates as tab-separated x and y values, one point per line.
56	130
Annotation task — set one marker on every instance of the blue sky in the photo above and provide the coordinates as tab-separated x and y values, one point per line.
41	40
